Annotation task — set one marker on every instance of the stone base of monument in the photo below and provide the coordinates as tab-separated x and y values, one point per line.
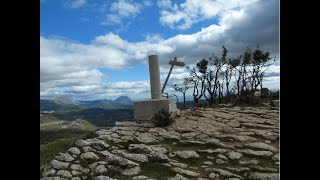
145	110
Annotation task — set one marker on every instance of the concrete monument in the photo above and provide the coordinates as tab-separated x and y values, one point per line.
145	110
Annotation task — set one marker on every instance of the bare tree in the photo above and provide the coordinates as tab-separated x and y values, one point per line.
198	75
214	74
183	88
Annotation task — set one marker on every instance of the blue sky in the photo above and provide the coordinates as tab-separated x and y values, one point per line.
98	49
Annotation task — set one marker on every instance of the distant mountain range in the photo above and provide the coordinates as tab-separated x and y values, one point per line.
60	103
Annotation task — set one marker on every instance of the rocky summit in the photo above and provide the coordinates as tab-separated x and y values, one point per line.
202	144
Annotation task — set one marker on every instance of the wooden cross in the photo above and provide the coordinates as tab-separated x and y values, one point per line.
173	63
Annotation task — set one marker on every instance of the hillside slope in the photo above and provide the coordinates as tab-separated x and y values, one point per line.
226	143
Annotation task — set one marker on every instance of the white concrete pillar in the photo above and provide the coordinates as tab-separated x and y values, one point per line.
154	72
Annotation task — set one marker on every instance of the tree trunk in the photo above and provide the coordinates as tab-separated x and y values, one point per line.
184	100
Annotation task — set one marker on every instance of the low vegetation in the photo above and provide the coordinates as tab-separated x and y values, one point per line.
55	140
49	150
162	118
157	171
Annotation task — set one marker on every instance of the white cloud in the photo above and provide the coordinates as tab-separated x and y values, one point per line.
74	67
74	4
147	2
120	10
184	15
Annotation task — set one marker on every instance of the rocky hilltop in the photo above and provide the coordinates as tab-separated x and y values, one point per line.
225	143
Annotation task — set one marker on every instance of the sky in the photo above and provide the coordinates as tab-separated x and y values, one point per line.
95	49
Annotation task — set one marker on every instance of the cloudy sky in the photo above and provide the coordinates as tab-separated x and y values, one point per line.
98	49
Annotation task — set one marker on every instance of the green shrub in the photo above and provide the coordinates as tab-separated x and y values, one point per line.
272	103
274	95
162	118
248	100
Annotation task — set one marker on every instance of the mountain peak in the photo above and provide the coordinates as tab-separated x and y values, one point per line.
123	100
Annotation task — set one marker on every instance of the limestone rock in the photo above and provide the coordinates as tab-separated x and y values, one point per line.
267	134
100	169
136	157
205	151
59	165
78	167
234	155
254	162
208	163
95	143
261	145
88	149
74	150
220	161
158	148
140	148
222	157
117	160
238	169
276	157
146	138
159	156
131	171
178	177
140	178
189	134
103	178
181	165
80	143
219	150
229	130
75	178
233	123
126	133
115	135
64	173
64	157
223	172
264	169
49	172
223	115
51	178
186	172
256	153
187	154
213	175
264	176
215	142
89	156
98	144
101	132
76	173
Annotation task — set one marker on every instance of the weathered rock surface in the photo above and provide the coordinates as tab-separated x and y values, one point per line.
186	172
261	145
234	155
187	154
178	177
264	176
256	153
237	140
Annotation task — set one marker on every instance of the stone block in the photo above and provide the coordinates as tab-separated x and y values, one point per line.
145	110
